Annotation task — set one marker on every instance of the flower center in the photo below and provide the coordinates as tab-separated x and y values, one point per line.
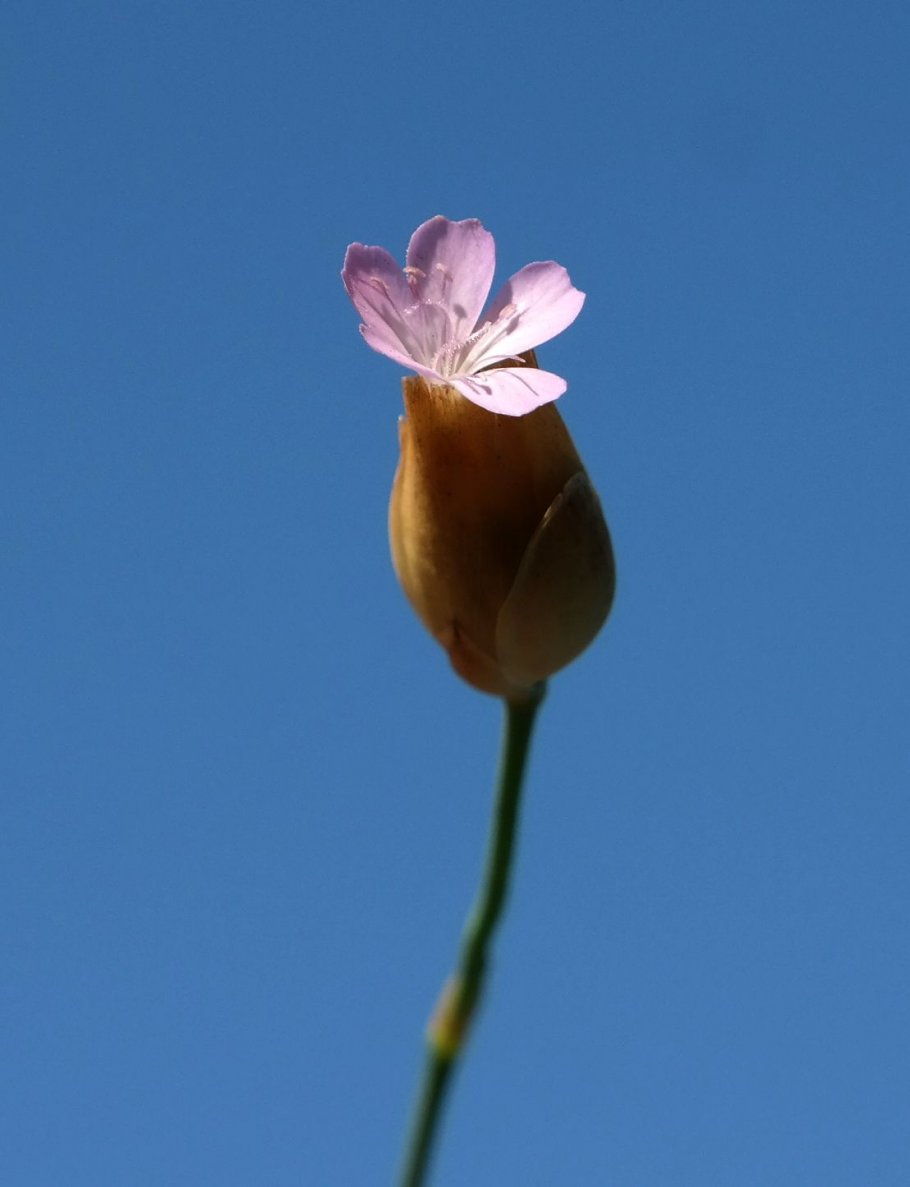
480	348
434	332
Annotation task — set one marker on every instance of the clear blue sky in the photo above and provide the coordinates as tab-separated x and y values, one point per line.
243	799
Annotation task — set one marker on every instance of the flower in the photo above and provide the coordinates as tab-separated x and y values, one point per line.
498	539
427	315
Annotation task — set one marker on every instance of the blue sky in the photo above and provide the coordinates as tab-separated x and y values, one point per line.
242	798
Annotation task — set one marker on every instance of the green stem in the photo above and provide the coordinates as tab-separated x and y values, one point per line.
460	997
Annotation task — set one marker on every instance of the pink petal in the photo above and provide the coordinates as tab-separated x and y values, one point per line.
454	265
381	295
510	391
425	327
397	355
545	303
380	340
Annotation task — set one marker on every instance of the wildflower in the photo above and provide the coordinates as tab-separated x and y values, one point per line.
427	316
497	534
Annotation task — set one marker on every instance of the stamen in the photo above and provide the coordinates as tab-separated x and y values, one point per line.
444	356
379	283
480	346
414	276
474	338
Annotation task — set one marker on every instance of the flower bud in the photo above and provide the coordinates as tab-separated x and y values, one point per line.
498	538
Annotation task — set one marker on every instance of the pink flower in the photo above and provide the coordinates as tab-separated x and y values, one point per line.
427	315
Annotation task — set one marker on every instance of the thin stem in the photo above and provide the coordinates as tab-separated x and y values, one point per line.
460	996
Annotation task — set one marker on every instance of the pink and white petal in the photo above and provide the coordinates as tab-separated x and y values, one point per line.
545	302
381	295
380	339
397	355
366	267
510	391
454	264
430	329
417	338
